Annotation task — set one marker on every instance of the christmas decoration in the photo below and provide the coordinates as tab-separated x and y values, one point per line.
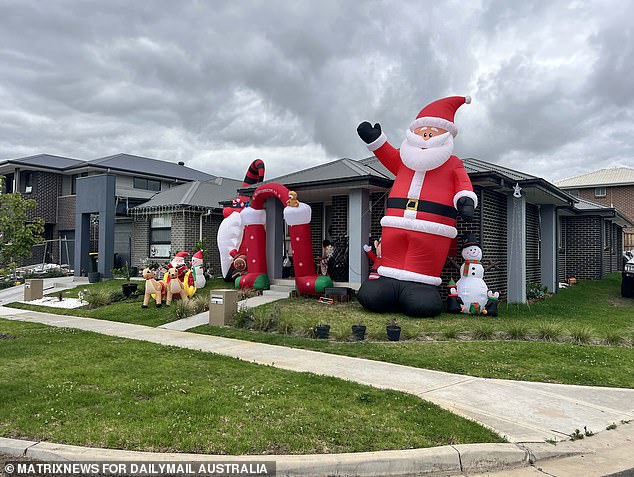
174	286
198	272
153	289
431	188
473	295
375	258
184	274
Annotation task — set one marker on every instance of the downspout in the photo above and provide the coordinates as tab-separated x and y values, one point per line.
200	224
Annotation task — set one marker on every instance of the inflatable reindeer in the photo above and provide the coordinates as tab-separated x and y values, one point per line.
153	288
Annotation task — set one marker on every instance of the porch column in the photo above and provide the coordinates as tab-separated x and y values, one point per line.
358	234
548	252
516	246
274	238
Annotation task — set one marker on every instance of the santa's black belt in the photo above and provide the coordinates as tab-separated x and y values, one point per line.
422	206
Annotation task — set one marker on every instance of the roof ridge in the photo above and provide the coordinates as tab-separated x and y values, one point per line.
305	170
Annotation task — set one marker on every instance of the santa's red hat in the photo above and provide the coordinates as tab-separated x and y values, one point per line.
440	114
198	255
181	255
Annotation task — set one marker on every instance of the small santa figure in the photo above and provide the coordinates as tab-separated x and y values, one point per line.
375	258
198	271
178	262
431	187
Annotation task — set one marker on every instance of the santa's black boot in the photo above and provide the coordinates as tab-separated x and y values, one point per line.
380	295
420	300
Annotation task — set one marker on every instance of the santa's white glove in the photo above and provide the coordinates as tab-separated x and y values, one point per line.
366	247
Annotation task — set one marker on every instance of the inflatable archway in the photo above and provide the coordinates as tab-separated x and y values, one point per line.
252	220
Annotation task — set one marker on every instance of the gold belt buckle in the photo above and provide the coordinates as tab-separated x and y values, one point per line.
412	204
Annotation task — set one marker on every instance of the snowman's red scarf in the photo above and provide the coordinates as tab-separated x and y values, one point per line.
467	263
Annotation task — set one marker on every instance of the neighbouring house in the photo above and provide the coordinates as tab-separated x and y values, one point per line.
52	182
180	218
613	187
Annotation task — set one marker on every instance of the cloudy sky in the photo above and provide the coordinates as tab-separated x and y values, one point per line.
218	84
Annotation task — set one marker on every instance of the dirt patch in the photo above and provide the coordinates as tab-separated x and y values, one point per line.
7	337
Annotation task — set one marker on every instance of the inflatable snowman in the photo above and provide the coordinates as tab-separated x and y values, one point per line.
475	298
197	270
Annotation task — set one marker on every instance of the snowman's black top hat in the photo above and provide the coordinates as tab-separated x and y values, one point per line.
470	239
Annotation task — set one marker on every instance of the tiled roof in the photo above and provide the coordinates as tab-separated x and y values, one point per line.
603	177
196	194
47	161
145	165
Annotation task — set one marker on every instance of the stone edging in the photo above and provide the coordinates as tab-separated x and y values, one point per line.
445	460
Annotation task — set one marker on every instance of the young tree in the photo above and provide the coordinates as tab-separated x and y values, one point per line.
18	233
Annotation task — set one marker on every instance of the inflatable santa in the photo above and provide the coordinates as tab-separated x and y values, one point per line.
431	188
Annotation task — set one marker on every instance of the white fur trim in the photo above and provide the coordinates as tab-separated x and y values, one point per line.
437	122
251	216
377	143
465	193
298	215
408	276
418	225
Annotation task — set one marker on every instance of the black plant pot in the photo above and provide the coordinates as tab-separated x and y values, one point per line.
359	332
128	289
94	277
322	331
393	333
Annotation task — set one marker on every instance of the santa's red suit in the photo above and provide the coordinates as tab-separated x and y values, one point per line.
420	220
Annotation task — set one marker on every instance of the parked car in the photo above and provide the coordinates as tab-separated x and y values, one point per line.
627	256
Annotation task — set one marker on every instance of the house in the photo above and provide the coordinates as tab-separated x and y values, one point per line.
180	218
52	182
613	187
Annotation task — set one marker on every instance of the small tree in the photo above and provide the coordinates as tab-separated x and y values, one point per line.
18	234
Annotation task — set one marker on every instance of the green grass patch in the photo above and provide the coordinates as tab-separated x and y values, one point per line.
521	360
81	388
128	311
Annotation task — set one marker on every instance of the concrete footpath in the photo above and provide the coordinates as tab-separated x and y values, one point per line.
521	411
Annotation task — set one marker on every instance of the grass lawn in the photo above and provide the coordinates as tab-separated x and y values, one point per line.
83	388
591	309
128	311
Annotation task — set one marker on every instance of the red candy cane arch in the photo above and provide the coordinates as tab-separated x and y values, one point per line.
254	238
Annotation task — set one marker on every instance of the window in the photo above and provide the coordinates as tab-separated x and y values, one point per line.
27	180
73	184
600	192
161	236
147	184
574	192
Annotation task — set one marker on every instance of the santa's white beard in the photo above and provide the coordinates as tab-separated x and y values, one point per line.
421	155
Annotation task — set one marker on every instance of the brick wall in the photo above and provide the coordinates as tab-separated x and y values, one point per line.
210	235
317	227
66	212
185	231
621	197
47	187
580	255
491	211
140	240
533	265
612	252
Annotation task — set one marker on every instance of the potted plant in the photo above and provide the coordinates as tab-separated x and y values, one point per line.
358	331
393	330
124	272
322	331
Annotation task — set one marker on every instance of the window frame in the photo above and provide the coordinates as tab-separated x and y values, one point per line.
167	225
143	183
598	189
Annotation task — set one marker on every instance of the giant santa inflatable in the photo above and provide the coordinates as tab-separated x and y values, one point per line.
431	188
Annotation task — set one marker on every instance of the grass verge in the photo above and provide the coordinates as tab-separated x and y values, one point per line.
74	387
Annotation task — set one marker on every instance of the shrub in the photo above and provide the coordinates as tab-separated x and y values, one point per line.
97	298
517	331
200	304
450	333
183	309
117	296
581	335
548	331
613	338
243	318
263	322
535	291
285	326
484	332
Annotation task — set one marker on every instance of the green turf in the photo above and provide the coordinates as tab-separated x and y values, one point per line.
128	311
82	388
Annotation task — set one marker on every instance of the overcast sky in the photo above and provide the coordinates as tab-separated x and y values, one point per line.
218	84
